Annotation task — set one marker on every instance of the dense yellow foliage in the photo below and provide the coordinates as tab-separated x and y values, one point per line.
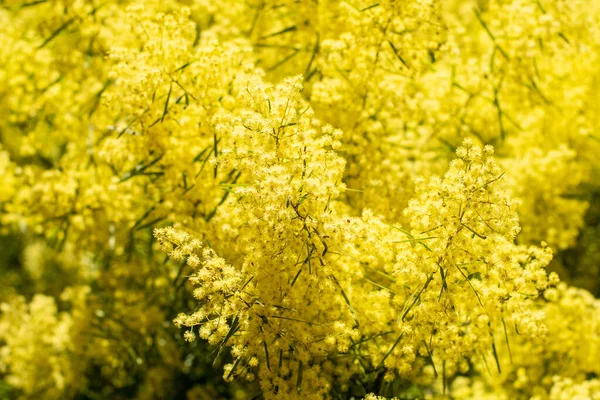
300	199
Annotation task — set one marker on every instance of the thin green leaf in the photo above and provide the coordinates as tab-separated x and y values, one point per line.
390	351
469	282
57	32
506	339
235	364
166	109
417	297
347	300
397	53
299	381
291	28
496	356
267	354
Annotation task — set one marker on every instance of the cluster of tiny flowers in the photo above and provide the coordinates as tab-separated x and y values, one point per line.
300	199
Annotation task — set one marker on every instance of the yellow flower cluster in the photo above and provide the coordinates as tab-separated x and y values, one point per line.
565	361
39	353
298	199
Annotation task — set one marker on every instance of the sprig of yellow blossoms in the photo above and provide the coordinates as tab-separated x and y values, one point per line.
355	199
